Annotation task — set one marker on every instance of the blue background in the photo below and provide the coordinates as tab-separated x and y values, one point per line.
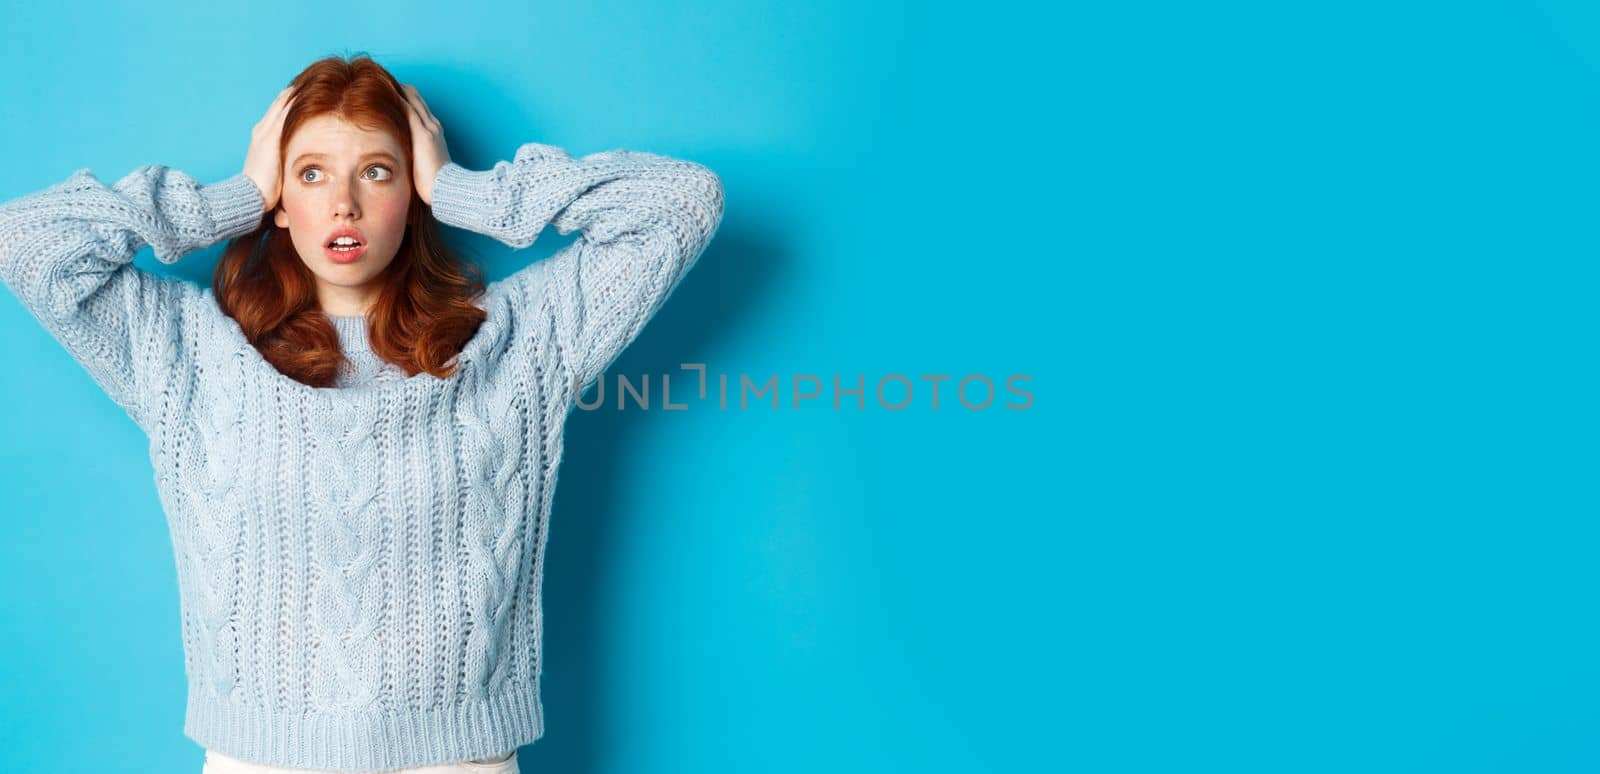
1305	292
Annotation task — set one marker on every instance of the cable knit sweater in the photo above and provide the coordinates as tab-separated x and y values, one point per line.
359	567
363	366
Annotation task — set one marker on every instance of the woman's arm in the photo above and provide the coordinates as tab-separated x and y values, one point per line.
644	220
66	252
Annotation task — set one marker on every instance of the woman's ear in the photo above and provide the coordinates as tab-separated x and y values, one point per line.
280	218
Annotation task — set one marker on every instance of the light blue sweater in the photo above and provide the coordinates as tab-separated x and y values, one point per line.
359	568
362	365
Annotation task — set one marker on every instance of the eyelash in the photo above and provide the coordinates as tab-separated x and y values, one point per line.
385	167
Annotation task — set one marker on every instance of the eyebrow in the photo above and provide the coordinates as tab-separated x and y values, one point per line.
364	157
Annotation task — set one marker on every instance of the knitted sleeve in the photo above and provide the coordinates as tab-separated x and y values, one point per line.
66	253
643	220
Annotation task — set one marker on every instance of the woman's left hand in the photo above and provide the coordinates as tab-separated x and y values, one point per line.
428	150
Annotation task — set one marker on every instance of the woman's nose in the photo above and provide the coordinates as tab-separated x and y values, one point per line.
345	205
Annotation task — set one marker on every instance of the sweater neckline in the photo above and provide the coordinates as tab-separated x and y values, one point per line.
352	330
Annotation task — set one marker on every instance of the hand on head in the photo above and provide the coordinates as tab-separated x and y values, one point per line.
261	163
428	150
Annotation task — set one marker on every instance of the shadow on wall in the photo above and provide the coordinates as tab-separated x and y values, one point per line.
741	267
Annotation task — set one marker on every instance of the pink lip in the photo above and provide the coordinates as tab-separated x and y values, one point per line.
344	256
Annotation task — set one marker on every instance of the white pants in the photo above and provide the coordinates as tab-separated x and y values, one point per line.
217	763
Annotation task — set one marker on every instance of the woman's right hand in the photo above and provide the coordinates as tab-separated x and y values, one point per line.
262	163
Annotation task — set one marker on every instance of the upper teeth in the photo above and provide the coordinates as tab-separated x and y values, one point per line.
345	241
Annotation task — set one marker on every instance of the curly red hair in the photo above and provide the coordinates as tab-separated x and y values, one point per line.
425	311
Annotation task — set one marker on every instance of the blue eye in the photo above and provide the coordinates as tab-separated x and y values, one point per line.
387	173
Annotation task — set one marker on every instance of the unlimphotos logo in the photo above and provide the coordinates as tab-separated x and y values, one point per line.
894	392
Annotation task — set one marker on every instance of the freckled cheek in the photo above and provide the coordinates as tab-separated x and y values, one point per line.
391	213
302	223
302	211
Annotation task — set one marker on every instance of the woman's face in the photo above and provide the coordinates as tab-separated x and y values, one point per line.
339	176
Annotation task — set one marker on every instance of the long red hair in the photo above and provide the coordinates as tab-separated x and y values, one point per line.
425	311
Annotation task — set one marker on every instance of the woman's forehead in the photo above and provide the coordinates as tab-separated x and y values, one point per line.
332	136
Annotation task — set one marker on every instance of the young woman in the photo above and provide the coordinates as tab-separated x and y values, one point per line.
355	441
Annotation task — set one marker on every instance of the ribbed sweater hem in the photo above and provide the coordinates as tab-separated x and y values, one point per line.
373	740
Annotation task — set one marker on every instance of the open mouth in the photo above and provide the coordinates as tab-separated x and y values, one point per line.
343	250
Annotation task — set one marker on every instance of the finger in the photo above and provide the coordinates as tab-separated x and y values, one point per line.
416	118
280	106
421	104
417	108
272	109
278	118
